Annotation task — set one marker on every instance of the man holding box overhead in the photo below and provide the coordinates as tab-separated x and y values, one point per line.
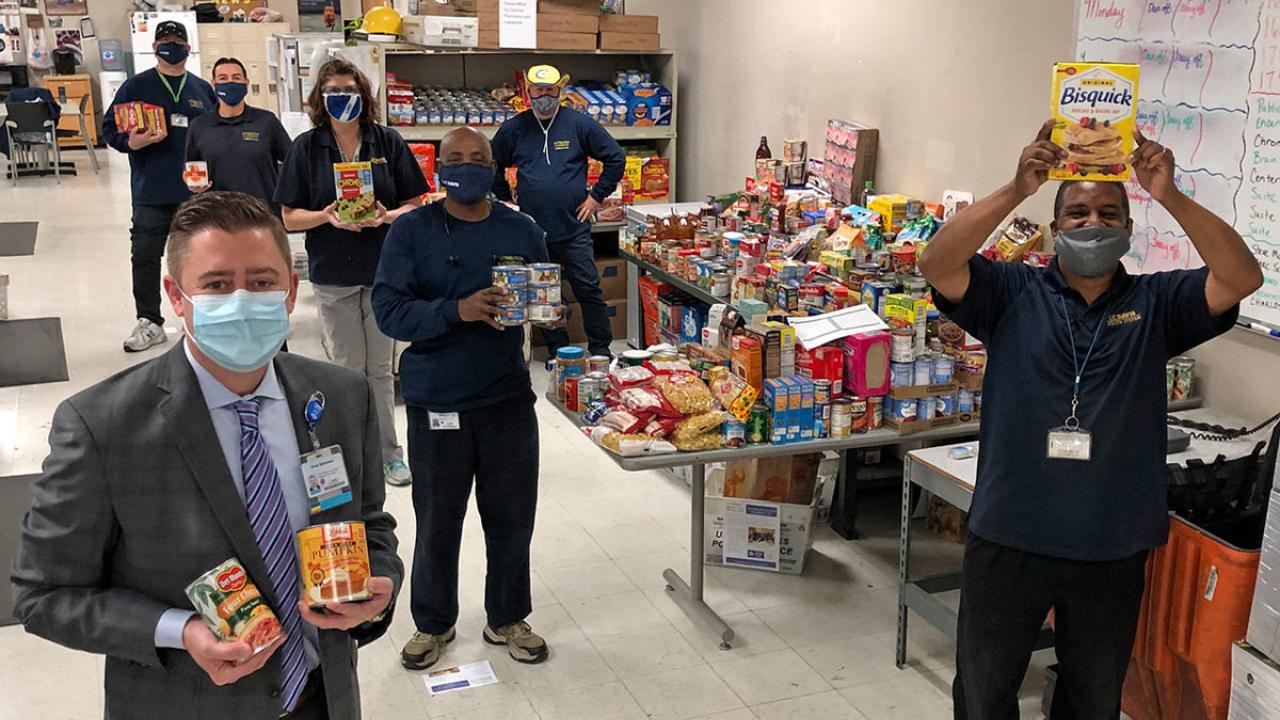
156	150
550	146
1071	491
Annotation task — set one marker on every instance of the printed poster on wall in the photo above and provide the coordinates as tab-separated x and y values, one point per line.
751	534
518	24
70	40
66	7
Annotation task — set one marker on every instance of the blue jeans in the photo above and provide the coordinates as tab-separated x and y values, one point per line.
577	258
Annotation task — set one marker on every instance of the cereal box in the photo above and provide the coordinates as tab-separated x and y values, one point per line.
1095	107
354	184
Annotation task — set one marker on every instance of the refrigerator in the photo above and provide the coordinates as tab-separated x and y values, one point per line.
289	65
142	28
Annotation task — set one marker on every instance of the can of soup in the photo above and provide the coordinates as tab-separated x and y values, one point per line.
964	402
923	374
334	561
903	345
946	406
515	296
841	419
875	413
512	315
544	294
233	608
544	274
858	414
510	276
944	369
901	374
542	313
904	411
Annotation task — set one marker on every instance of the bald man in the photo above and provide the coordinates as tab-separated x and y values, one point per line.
468	396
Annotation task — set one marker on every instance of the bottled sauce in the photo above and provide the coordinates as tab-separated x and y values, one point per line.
763	152
868	192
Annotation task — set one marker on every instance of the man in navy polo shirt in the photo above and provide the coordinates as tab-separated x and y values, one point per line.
1070	493
155	166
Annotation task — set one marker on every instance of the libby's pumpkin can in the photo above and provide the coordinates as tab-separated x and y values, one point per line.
334	561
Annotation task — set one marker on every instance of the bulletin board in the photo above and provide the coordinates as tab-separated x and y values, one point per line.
1210	91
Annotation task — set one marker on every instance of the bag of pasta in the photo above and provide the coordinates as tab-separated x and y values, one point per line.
700	432
686	393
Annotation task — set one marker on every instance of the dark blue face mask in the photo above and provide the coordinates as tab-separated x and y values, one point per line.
467	183
172	52
231	93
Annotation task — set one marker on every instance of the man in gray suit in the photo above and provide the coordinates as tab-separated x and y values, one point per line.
162	472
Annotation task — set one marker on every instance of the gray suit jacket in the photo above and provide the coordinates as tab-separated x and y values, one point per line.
136	501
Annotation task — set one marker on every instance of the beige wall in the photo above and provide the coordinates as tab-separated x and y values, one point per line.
957	89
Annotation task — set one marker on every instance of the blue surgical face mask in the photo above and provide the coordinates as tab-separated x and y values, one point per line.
231	93
241	331
173	52
467	183
343	107
1091	251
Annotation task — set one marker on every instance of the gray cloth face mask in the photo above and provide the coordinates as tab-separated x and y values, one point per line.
1091	251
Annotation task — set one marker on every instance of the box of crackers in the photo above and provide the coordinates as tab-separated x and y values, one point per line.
1095	106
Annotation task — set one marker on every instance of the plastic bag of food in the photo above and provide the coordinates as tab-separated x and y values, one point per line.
686	393
703	441
668	367
628	376
662	426
632	445
624	421
647	400
733	393
708	422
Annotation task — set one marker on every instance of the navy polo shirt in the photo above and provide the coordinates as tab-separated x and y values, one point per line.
341	257
243	152
1114	505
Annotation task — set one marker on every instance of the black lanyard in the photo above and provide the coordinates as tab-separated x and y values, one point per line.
1073	422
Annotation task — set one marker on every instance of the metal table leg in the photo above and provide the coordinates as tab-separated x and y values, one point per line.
689	595
904	551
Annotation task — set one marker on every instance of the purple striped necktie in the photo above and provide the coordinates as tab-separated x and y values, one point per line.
269	518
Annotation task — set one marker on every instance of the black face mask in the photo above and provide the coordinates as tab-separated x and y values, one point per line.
172	52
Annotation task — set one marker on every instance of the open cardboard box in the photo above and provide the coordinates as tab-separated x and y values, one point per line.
915	392
909	428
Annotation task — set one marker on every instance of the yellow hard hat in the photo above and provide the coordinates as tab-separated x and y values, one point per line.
543	76
381	21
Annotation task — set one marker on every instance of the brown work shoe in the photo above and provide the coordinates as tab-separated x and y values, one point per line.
522	643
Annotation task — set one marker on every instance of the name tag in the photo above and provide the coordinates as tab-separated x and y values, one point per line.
1065	444
178	120
325	475
444	421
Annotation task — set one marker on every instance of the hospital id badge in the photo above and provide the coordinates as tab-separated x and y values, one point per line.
1070	444
325	475
178	120
444	421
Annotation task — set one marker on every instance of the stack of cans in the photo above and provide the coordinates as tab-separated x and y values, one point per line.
514	279
544	292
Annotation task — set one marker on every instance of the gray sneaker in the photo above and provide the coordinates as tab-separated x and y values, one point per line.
397	473
146	334
423	650
522	643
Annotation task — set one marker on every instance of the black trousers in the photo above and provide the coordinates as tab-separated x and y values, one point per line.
497	447
147	238
577	259
1004	597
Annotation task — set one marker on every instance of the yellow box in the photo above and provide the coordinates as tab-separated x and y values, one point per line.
895	210
1096	108
633	170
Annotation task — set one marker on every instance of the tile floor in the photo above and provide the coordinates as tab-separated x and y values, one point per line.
815	646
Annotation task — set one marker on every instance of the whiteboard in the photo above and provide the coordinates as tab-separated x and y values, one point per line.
1210	91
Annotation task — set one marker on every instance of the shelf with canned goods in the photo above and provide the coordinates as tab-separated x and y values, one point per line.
436	133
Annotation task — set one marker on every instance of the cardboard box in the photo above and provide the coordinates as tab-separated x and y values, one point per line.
915	392
566	41
795	532
613	280
630	41
633	24
446	8
969	381
648	104
437	31
617	310
849	159
488	7
488	39
562	22
570	7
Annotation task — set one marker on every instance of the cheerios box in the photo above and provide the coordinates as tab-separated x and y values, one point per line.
1095	106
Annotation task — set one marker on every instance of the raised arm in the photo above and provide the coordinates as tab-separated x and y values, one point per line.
1234	273
945	262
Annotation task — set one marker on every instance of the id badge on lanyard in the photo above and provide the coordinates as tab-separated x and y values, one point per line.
1070	441
324	472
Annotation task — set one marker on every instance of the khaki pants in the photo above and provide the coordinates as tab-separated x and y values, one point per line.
351	338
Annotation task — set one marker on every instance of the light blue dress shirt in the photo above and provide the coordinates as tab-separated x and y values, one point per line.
277	430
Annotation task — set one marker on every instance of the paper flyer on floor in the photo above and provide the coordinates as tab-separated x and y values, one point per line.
751	534
460	678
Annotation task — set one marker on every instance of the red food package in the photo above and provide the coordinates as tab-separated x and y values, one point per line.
668	367
648	400
626	422
662	426
629	376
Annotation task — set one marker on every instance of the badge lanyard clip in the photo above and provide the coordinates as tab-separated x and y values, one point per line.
312	414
